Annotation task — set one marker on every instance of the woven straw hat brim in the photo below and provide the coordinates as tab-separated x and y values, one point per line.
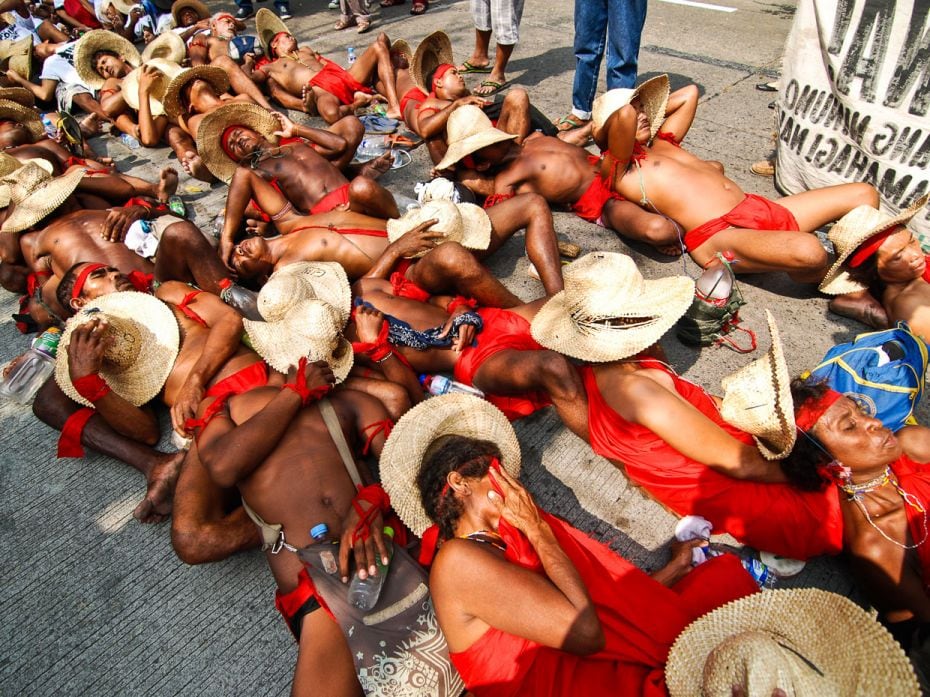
267	25
211	130
203	12
122	6
445	415
815	622
159	335
401	47
217	78
8	164
20	57
653	94
20	95
757	399
130	86
324	280
852	230
432	52
42	202
471	144
167	46
282	345
101	40
475	224
665	300
12	111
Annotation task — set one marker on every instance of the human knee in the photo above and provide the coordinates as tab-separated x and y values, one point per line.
48	407
864	194
517	97
658	230
363	188
808	253
189	541
454	260
395	399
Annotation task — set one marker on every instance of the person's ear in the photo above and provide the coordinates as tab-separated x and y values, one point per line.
458	483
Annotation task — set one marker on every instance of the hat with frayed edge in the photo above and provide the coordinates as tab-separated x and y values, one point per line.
464	223
433	51
402	48
850	232
409	445
35	194
9	166
608	311
215	76
12	111
130	86
167	46
216	122
20	95
653	94
467	131
305	280
142	344
203	12
802	641
757	400
267	26
18	56
91	44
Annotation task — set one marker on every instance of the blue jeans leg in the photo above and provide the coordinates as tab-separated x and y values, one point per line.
590	38
245	5
624	29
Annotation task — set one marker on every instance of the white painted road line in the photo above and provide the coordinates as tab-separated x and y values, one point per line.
702	5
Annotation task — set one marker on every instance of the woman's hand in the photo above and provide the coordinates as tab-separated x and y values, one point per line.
516	505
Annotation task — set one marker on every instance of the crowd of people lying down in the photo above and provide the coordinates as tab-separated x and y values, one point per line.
289	350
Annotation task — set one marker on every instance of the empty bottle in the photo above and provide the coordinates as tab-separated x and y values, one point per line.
33	369
405	204
129	141
319	533
241	299
761	572
350	59
364	593
717	280
440	384
51	130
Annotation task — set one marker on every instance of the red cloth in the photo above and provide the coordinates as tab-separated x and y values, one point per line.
142	282
364	231
301	601
773	517
250	377
189	312
926	273
640	617
339	83
503	330
334	198
403	287
78	12
753	212
591	204
914	478
69	442
414	94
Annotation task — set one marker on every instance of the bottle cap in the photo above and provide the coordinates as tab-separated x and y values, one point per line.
319	530
728	255
389	531
225	283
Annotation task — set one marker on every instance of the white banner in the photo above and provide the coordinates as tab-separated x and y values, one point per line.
853	100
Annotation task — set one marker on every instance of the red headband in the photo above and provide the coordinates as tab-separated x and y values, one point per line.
224	141
440	71
809	412
223	15
82	278
870	246
276	37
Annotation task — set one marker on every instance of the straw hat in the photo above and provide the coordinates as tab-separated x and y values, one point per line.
804	641
464	223
11	111
130	87
216	77
211	130
757	399
122	6
608	311
167	46
101	40
852	230
305	280
653	93
432	52
401	47
453	414
20	95
268	25
311	328
468	129
9	168
36	194
19	54
142	351
203	12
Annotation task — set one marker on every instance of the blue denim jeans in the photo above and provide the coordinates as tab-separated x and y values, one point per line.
612	24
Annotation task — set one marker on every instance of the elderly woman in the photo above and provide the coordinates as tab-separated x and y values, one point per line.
528	604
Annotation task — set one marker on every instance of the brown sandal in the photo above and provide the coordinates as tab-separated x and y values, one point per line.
344	23
419	7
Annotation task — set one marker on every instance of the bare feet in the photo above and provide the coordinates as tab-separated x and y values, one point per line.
195	167
394	114
577	136
378	166
167	184
671	250
861	307
90	125
156	506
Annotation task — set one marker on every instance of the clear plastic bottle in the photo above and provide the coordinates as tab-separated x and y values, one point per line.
364	593
760	572
440	384
242	299
33	369
405	203
319	533
717	280
51	130
350	59
129	141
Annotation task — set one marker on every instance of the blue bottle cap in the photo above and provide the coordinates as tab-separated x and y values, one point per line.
319	530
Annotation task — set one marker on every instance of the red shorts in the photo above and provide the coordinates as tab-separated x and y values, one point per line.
754	213
339	83
333	199
591	204
414	94
298	603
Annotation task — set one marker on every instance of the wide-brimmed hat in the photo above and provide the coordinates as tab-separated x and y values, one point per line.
203	12
12	111
757	400
216	77
20	95
410	440
130	86
852	230
464	223
101	40
36	194
312	329
18	53
211	128
653	93
468	129
267	26
401	47
608	311
167	46
305	280
804	641
433	51
9	166
124	7
141	353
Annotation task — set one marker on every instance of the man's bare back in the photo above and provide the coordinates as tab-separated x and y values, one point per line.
558	171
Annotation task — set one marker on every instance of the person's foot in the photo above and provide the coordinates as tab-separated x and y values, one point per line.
763	168
862	307
577	136
195	167
419	7
669	250
156	506
363	25
378	166
244	13
167	184
494	84
283	12
475	65
90	125
344	23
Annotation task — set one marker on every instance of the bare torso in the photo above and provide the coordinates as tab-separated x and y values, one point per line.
293	73
303	175
556	170
910	302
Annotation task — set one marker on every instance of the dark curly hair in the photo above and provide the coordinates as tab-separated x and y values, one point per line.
469	457
804	465
867	274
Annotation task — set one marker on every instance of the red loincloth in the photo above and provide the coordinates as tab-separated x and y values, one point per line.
591	204
333	199
250	377
414	94
640	617
768	516
753	212
339	83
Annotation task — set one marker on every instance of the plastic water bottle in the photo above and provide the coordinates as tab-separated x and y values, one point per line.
440	384
364	593
33	369
50	129
350	59
717	280
129	141
405	204
319	533
241	299
760	572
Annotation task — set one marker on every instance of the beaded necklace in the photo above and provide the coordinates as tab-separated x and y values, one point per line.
857	492
487	537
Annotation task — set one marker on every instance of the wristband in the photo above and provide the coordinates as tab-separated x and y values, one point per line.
378	350
91	387
460	300
300	385
380	502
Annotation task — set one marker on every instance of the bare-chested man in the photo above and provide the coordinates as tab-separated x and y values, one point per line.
640	131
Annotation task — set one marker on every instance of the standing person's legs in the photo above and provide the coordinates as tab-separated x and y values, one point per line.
505	23
625	20
590	39
481	16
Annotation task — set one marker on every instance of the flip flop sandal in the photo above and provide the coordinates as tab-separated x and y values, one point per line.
570	123
402	158
377	124
469	68
419	7
495	88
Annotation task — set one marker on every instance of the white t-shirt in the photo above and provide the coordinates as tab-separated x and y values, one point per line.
59	66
